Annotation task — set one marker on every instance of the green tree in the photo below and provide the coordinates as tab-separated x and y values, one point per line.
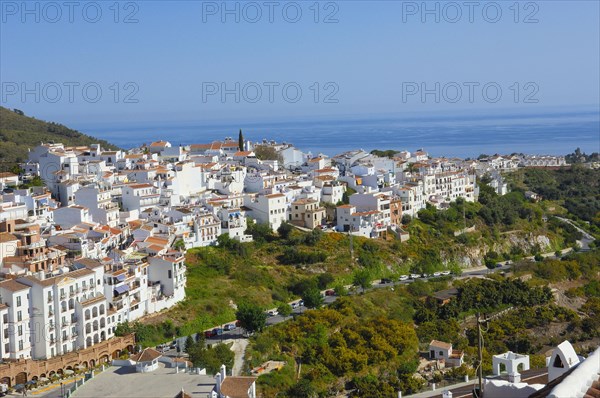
284	309
302	389
362	279
312	298
190	344
252	318
241	141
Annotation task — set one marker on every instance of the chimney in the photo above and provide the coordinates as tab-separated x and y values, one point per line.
218	383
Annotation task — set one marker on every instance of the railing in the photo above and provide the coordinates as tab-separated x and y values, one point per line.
50	299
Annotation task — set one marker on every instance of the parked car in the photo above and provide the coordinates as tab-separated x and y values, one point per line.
208	334
385	280
330	292
217	331
272	312
437	274
229	326
294	305
301	303
415	276
403	277
238	323
445	273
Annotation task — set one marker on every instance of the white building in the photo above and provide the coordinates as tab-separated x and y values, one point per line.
268	209
16	319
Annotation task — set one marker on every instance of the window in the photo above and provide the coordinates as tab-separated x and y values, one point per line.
170	274
20	345
18	301
20	330
19	316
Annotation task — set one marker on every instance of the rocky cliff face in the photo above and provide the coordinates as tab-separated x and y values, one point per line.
468	257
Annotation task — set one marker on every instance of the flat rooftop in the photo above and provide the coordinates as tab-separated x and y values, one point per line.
120	382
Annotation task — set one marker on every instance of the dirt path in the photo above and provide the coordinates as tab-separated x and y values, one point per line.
239	349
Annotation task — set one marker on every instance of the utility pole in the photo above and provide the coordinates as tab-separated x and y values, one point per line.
480	352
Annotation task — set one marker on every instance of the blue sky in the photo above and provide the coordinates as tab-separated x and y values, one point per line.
375	52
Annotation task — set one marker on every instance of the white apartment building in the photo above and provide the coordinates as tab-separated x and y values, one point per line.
139	197
269	209
98	200
233	222
16	320
4	332
60	324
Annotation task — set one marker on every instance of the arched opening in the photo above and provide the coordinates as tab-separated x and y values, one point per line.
102	336
92	363
116	354
88	341
502	368
95	312
87	314
96	338
520	367
85	364
104	358
130	348
88	328
5	380
21	378
102	309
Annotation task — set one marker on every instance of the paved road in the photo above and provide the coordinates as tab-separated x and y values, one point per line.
586	239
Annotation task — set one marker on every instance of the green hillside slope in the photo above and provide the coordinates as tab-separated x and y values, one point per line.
19	132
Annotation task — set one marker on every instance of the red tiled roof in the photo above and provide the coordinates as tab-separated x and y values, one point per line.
237	387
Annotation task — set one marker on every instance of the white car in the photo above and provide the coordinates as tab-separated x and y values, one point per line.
415	276
437	274
403	277
445	273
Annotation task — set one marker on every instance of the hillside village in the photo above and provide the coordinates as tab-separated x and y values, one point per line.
102	241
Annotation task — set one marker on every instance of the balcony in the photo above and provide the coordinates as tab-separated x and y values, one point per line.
84	288
63	296
65	324
50	327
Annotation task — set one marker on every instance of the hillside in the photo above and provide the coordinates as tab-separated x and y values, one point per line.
19	132
575	188
277	268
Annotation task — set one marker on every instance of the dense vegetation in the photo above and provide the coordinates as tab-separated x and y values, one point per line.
18	133
336	349
347	346
577	188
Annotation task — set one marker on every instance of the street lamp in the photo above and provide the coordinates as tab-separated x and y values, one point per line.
62	394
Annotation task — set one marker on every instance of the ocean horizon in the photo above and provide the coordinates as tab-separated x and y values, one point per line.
556	133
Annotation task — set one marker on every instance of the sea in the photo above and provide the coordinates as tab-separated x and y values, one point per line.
465	135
